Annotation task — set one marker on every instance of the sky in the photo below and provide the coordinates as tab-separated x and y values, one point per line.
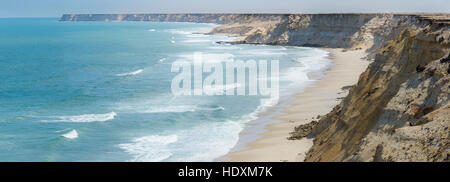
55	8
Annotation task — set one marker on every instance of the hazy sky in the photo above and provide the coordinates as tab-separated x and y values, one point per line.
55	8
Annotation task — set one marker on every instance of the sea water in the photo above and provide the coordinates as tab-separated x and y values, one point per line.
100	91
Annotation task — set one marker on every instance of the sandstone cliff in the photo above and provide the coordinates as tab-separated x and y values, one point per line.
399	109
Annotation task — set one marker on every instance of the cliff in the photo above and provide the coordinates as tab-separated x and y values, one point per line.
399	109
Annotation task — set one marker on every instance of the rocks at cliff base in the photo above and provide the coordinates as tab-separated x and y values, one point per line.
302	130
420	68
445	59
348	87
439	68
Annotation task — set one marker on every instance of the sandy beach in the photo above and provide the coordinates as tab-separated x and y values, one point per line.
318	99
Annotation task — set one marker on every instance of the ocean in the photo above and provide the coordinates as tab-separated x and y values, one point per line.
101	91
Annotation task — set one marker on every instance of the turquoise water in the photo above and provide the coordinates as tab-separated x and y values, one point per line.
100	91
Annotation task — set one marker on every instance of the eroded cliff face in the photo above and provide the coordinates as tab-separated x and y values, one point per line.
399	109
352	31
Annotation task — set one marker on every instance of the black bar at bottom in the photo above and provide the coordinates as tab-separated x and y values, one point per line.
229	170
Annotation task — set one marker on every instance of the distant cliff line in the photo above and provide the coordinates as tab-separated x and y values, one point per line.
220	18
336	30
197	18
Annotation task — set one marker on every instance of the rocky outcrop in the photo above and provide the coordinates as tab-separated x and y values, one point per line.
302	130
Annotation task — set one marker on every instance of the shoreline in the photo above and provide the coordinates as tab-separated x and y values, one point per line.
272	145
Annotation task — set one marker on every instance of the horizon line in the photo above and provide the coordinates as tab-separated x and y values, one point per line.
287	13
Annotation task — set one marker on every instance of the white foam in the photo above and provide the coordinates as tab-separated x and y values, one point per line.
170	109
265	103
181	32
131	73
197	35
218	89
224	48
203	142
224	38
162	60
211	108
151	148
151	30
85	118
179	109
210	57
316	60
197	40
71	135
206	141
264	52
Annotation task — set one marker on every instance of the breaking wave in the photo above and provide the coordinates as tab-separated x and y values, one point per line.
71	135
186	108
151	148
131	73
85	118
